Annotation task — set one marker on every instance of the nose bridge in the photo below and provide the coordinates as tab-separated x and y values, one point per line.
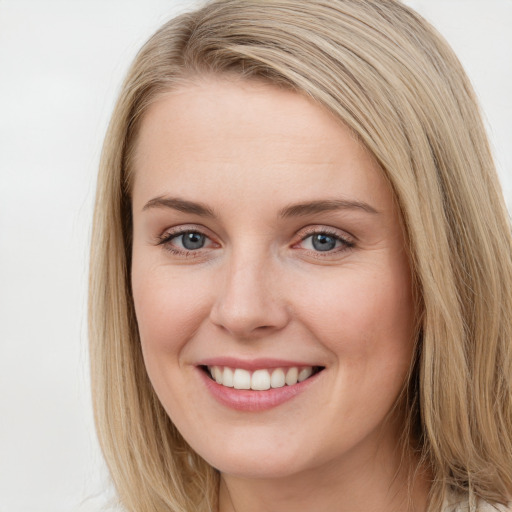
249	300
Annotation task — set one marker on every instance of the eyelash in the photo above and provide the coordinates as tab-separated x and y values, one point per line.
165	241
346	243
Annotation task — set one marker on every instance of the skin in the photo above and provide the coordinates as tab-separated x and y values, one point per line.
259	288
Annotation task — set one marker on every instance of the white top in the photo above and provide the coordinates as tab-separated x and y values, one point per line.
462	503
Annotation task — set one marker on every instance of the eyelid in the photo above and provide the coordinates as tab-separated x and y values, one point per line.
328	230
173	231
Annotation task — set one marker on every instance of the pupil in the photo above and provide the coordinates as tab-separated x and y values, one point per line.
193	241
324	242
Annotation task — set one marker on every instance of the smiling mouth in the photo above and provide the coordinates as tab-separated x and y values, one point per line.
262	379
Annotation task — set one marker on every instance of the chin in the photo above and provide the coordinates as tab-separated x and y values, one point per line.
259	463
260	470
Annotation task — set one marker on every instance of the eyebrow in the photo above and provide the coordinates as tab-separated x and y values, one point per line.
312	207
181	205
294	210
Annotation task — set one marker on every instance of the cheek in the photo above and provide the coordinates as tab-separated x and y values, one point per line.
169	307
363	317
169	311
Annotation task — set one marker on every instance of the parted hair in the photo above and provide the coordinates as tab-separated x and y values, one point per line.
385	73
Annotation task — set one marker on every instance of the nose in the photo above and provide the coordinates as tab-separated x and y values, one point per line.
250	300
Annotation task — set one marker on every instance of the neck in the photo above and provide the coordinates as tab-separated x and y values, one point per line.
385	485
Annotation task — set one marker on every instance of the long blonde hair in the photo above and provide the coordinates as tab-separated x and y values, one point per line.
386	73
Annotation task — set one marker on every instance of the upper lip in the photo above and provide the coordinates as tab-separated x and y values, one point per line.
254	364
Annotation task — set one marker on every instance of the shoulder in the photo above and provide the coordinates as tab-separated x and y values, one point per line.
487	507
500	508
463	503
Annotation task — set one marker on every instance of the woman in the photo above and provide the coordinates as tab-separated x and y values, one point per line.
301	269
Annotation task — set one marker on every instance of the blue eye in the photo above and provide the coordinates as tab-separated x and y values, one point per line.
192	240
183	242
323	242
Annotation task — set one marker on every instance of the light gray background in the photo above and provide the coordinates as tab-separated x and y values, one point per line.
61	64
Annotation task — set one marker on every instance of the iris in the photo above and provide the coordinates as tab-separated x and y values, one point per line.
192	240
323	242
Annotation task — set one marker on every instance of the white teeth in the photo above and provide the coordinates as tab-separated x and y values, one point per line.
227	377
259	380
304	374
217	374
291	376
278	378
241	379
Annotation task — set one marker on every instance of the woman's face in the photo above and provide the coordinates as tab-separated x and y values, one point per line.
268	252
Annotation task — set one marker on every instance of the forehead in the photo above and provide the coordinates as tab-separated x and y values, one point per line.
217	135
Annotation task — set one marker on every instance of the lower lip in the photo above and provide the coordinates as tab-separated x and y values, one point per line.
253	401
